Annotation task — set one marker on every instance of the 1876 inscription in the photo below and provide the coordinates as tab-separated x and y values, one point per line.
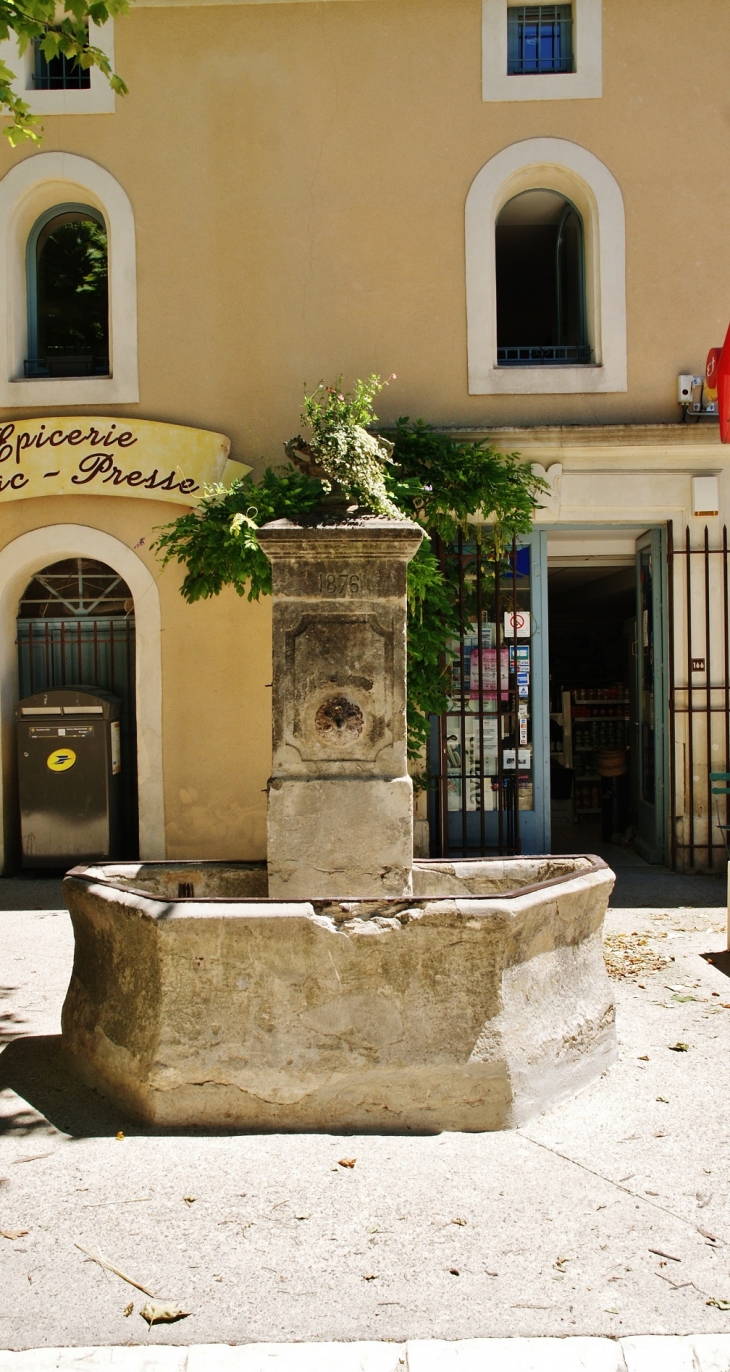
339	583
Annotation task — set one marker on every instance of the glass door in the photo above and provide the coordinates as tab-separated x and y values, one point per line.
650	723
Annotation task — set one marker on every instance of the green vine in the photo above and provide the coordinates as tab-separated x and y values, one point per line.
343	468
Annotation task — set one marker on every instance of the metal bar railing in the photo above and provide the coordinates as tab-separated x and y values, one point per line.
700	702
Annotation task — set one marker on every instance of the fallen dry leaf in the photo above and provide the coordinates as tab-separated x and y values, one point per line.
159	1312
109	1266
458	1221
13	1233
678	1047
347	1162
629	956
128	1309
370	1276
721	1305
190	1200
120	1136
644	1057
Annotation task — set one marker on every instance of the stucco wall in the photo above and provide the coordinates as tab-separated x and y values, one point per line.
298	174
216	663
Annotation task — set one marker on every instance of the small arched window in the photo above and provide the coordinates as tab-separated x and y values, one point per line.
68	294
540	278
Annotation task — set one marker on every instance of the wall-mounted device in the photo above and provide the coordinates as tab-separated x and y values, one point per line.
692	397
705	495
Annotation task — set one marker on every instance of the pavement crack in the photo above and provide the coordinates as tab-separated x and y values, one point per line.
635	1195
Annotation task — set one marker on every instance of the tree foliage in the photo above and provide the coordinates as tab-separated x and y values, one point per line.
444	484
65	34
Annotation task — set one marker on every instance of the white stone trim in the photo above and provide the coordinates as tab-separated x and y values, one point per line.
98	99
583	83
39	182
550	164
643	1353
19	561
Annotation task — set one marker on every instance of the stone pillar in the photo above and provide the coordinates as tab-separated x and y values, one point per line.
340	815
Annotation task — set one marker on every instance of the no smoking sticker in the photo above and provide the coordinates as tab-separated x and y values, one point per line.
61	759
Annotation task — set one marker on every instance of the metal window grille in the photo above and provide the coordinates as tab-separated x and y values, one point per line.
539	39
61	73
559	355
699	699
65	362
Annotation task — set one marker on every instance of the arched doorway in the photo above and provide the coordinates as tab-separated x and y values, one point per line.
76	627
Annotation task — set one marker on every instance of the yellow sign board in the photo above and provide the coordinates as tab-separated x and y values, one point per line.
89	454
61	759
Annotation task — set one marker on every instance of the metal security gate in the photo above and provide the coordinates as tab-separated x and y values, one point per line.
488	754
76	628
699	698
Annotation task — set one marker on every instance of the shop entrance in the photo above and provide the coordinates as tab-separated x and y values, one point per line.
592	615
76	627
607	698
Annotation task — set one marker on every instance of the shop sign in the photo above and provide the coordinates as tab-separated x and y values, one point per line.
92	455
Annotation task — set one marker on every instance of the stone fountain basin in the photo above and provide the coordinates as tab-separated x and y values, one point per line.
197	1001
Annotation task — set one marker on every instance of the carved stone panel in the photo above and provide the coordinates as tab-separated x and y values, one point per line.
339	705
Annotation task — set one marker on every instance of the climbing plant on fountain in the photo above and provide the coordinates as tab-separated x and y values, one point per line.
344	470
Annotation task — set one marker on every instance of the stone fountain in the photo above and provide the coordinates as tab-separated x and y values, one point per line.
342	985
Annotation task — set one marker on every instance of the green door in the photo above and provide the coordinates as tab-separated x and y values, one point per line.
650	741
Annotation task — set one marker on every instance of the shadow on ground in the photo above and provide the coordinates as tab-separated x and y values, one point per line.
643	885
32	891
721	961
35	1069
51	1093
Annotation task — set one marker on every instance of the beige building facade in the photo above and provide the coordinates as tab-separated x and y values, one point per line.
293	191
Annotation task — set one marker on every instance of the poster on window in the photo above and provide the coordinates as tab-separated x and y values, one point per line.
489	674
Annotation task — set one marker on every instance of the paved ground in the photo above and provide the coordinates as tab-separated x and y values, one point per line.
641	884
544	1231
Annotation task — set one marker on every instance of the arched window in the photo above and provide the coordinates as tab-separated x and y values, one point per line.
545	273
541	315
68	294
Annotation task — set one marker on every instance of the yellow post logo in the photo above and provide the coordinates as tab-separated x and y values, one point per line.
61	759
